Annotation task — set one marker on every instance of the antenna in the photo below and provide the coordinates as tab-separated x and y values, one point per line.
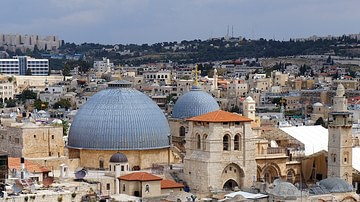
232	31
227	33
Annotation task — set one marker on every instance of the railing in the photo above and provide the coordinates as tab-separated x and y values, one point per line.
275	150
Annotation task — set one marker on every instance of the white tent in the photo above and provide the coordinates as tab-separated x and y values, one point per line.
315	139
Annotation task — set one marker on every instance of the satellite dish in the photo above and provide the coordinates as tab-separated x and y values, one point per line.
80	173
17	187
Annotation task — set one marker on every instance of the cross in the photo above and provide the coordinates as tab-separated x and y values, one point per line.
196	75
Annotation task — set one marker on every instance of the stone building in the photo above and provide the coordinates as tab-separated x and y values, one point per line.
31	140
220	152
192	103
147	185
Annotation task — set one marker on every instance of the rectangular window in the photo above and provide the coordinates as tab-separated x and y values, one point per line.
108	186
17	140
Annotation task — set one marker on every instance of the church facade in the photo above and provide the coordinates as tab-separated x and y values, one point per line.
220	152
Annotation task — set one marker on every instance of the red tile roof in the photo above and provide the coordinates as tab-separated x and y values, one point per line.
168	184
220	116
140	176
14	163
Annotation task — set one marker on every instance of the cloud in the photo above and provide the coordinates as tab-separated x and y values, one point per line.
150	21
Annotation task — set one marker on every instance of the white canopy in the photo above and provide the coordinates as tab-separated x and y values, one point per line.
315	139
246	195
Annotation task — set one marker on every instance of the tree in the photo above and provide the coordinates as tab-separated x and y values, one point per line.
10	103
39	105
28	72
27	94
186	77
66	70
62	103
65	127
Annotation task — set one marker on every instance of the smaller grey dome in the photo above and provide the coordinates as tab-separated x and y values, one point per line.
118	158
336	185
285	190
194	103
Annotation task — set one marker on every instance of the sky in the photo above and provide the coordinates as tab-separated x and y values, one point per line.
153	21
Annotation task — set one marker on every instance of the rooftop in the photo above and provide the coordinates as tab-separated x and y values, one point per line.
140	176
168	184
220	116
14	163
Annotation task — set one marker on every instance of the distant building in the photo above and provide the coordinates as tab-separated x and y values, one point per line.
24	65
103	65
20	42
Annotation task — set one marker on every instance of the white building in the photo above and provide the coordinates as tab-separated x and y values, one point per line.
24	65
103	65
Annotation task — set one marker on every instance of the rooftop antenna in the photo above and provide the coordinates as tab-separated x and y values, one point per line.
232	31
227	33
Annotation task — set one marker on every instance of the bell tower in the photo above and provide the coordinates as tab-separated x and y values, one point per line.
249	108
340	138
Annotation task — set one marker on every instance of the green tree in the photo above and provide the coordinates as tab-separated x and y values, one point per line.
10	103
62	103
28	72
39	105
186	77
65	127
27	94
66	70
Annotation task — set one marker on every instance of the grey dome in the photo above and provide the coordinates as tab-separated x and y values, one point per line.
336	185
119	119
118	158
194	103
286	190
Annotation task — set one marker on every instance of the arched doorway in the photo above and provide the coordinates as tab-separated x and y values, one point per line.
230	185
232	176
271	172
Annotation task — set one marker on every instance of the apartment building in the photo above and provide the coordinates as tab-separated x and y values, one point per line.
24	65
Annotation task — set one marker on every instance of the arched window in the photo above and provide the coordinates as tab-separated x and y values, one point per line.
198	141
101	163
226	143
204	142
290	176
182	131
237	142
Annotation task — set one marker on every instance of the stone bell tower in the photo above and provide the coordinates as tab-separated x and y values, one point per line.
340	138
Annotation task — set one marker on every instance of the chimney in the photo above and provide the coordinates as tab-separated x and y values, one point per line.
22	161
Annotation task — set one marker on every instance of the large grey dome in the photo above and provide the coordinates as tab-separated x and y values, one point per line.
119	119
194	103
